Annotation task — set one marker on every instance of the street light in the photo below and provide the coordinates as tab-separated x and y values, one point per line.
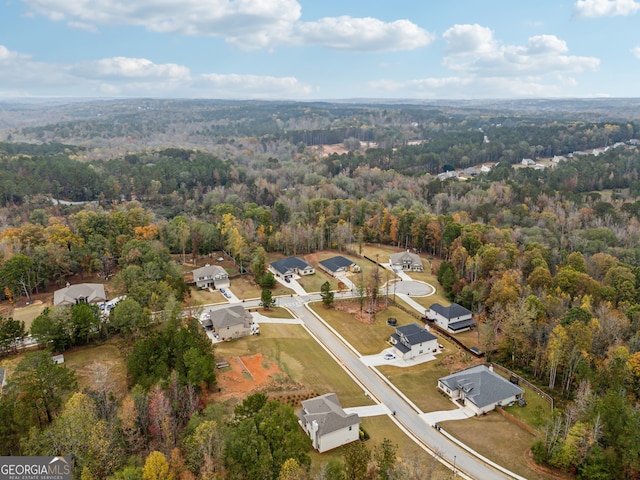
454	466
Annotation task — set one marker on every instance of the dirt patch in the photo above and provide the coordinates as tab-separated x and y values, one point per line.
254	373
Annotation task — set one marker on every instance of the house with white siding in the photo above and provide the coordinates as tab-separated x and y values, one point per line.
327	424
480	389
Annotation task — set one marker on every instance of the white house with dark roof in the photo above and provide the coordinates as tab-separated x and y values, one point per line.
412	340
80	293
406	261
337	265
327	424
228	323
454	318
290	266
211	276
480	389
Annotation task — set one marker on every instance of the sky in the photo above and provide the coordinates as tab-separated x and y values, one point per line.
320	49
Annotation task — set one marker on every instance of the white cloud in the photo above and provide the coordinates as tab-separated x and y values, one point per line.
125	67
485	68
250	23
363	34
472	49
136	77
605	8
636	52
247	24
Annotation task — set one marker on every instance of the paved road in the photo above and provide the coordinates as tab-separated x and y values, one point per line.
405	414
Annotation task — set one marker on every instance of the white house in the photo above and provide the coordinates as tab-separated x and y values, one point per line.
406	261
480	389
338	264
80	293
290	266
454	318
327	424
411	341
211	276
228	323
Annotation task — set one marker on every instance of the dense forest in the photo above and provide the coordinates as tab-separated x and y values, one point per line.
547	256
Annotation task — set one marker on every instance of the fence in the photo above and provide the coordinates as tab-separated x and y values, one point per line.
528	384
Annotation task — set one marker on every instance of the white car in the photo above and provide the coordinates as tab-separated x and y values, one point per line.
389	356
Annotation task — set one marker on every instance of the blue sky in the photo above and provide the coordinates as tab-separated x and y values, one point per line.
320	49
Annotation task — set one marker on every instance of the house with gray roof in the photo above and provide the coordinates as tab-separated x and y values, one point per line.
290	266
454	318
327	424
338	264
406	261
80	293
480	389
412	340
211	276
228	323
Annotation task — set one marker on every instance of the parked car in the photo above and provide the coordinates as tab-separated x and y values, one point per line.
389	356
287	279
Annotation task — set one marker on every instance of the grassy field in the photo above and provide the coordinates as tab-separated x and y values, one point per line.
368	339
312	283
498	439
419	383
301	358
275	312
110	354
28	314
81	360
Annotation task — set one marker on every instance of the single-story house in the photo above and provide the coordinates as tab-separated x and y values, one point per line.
290	266
527	162
81	293
211	276
228	323
338	264
406	261
412	340
454	318
480	389
327	424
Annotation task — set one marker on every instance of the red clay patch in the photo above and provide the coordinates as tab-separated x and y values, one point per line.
245	375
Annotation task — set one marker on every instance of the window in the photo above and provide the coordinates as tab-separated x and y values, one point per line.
350	427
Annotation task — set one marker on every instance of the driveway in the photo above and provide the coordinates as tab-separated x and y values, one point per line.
369	410
378	359
293	285
231	298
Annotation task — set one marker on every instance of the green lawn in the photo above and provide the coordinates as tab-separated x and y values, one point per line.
368	339
275	312
419	383
28	314
110	354
301	358
496	438
245	288
312	283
